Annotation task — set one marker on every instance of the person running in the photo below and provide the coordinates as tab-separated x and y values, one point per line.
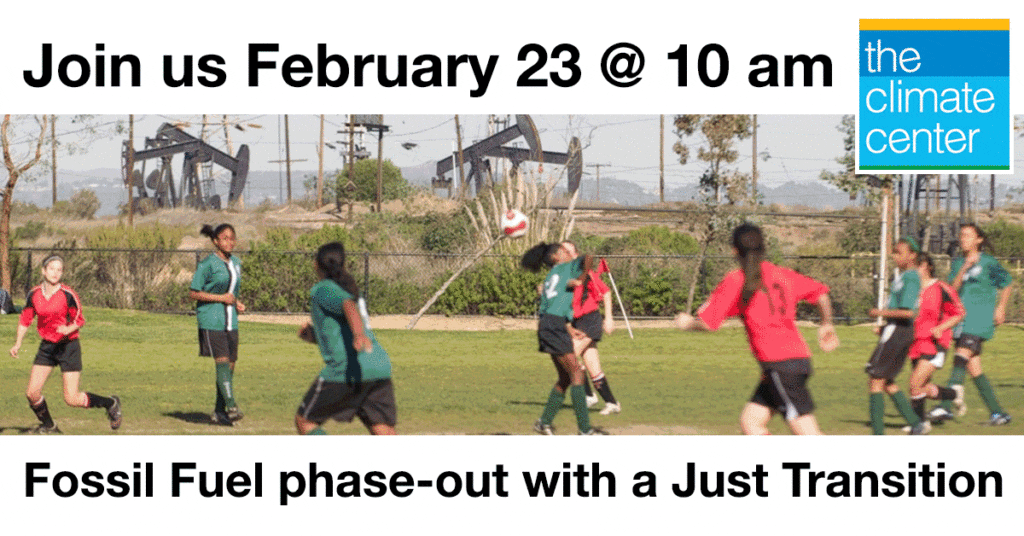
555	333
215	290
765	297
984	287
894	341
586	300
938	310
356	378
60	320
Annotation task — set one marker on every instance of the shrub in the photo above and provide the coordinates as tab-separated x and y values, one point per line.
82	205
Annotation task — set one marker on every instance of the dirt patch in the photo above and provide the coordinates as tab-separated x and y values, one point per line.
647	429
447	323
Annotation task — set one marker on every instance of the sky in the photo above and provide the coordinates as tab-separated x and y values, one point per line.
793	147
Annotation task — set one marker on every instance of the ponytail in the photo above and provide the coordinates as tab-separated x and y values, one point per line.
543	254
749	243
331	260
213	232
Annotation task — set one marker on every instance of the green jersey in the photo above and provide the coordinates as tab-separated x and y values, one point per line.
979	292
342	363
217	276
905	288
555	298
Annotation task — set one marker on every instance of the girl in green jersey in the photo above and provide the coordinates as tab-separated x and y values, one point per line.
356	378
555	333
984	288
215	290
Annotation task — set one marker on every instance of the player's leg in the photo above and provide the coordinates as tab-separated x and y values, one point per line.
988	394
34	393
592	360
754	419
569	364
966	347
580	347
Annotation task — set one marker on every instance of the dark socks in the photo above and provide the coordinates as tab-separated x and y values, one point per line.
97	401
605	390
42	413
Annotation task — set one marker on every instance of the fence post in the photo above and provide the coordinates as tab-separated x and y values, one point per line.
28	274
366	276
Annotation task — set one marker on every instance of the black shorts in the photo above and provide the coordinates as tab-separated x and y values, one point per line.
215	343
592	324
783	388
67	354
970	342
891	353
552	336
373	402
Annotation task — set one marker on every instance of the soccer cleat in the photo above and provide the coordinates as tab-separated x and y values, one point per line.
221	419
234	414
591	400
999	419
959	406
543	429
611	409
594	431
921	428
114	413
939	414
43	429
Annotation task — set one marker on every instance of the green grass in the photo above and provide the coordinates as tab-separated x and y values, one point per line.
466	382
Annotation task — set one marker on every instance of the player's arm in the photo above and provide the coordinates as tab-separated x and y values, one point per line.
355	321
18	339
688	322
609	322
1004	298
227	298
828	340
306	332
892	314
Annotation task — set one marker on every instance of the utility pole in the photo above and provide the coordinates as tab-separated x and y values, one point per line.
351	152
288	159
53	146
130	170
753	172
458	140
598	167
320	168
661	162
380	163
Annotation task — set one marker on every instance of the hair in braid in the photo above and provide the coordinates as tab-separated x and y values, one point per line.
331	260
749	243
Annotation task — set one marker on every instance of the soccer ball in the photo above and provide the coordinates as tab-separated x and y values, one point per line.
514	223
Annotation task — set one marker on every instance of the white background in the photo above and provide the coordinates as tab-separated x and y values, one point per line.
392	28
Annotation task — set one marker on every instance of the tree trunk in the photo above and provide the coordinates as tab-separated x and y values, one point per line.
5	234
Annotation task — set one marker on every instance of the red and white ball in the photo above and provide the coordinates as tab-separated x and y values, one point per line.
514	223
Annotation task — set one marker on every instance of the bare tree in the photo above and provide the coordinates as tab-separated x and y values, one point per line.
15	169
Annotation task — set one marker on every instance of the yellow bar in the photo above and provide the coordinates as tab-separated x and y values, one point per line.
934	24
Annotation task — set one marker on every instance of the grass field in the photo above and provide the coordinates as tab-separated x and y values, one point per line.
465	382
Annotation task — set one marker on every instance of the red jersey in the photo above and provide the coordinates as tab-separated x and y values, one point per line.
770	315
61	309
595	291
937	302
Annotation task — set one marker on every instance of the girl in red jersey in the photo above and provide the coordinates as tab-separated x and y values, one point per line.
60	318
765	297
587	318
939	310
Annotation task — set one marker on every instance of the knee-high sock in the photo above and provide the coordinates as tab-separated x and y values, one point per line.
225	384
579	405
876	411
902	404
555	399
987	393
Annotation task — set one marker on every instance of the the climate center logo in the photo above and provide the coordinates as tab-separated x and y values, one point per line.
934	95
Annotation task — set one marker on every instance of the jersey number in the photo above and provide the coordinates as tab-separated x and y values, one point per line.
551	286
781	293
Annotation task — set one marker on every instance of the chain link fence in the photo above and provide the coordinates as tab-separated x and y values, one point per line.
652	286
